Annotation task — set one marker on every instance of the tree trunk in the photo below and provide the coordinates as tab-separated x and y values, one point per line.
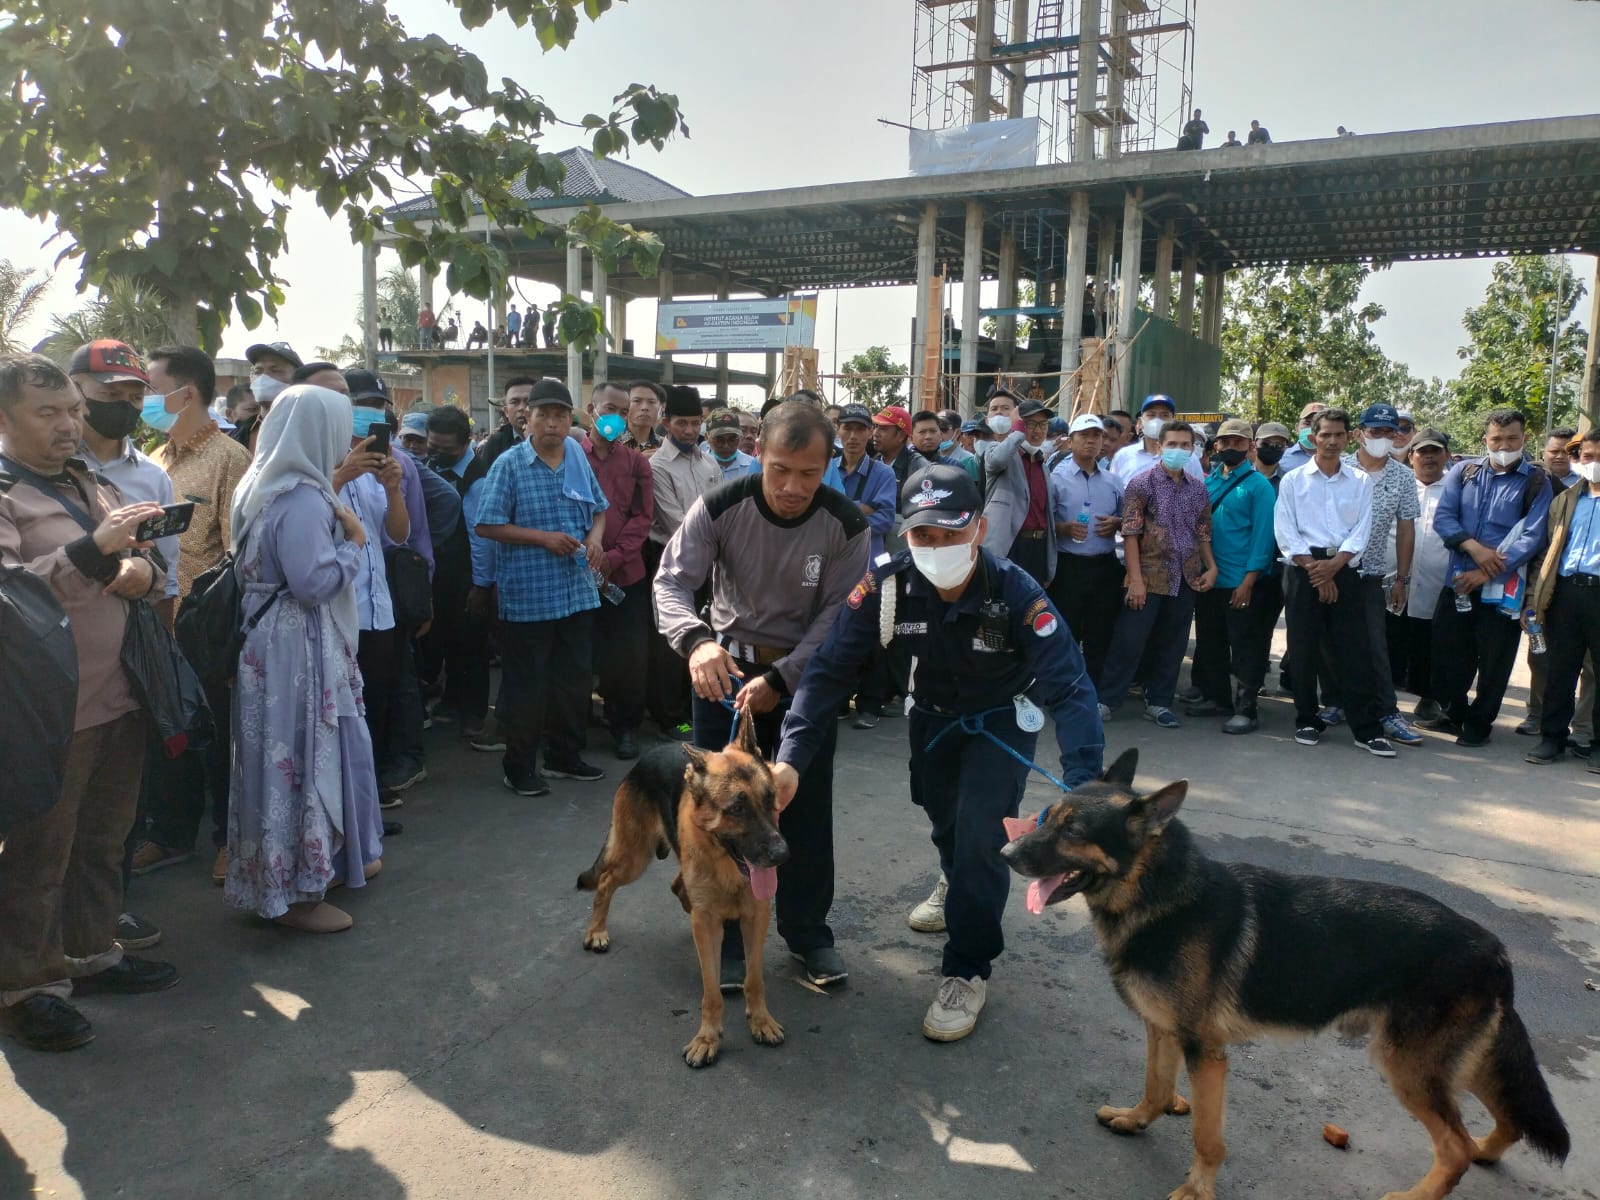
1261	393
186	322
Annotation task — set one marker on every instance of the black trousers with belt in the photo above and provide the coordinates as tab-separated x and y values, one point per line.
1571	630
1482	643
1031	552
1232	643
805	882
1344	625
1087	591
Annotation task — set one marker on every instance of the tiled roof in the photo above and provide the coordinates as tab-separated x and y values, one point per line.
588	180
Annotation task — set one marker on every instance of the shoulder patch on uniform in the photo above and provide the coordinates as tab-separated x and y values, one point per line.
1034	609
861	591
1044	624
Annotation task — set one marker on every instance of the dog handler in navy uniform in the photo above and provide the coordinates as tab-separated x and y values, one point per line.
991	650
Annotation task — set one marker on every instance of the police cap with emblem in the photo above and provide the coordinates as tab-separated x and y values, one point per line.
942	496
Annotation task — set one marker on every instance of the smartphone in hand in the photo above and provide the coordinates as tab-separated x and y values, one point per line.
380	439
174	519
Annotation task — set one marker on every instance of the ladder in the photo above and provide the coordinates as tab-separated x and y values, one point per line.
1047	22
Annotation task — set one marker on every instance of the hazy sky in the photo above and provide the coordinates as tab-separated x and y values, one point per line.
778	95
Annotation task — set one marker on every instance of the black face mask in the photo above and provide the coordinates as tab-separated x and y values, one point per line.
111	418
1230	458
1269	455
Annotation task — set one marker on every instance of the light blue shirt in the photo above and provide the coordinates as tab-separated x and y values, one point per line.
1582	556
1102	491
139	477
830	477
367	499
742	464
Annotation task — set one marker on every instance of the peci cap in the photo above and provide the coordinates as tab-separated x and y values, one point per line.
282	349
1158	398
1234	427
683	400
1379	416
940	495
1273	429
365	385
724	420
1085	421
896	416
855	414
108	361
1430	437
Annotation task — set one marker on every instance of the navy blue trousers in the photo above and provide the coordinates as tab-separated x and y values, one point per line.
966	784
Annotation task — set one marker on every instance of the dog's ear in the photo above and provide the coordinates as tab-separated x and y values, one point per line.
1157	809
1121	771
745	736
697	761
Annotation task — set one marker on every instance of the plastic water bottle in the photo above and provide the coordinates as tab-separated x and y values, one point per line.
1463	602
607	589
1084	516
1535	634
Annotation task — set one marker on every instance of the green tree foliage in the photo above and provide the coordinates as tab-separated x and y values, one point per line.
164	140
20	296
1509	342
872	378
1291	335
1025	295
128	310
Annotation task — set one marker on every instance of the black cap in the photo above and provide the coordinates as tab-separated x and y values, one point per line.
1032	408
858	414
549	391
282	349
683	400
365	385
940	495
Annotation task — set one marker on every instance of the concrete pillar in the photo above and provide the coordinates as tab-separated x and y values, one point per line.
575	290
927	246
1163	280
772	372
1191	262
602	355
1132	250
1211	308
1072	295
619	322
1589	402
1106	250
664	293
722	359
1017	88
1088	81
1116	70
1005	334
424	290
982	50
971	286
369	305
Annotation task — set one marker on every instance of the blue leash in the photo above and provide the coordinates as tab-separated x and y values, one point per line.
727	703
973	723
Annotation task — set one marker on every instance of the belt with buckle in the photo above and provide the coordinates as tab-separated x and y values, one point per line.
762	656
1032	535
1580	580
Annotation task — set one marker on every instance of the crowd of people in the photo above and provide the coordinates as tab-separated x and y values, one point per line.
683	563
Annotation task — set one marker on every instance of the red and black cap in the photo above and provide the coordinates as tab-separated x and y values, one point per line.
108	361
942	496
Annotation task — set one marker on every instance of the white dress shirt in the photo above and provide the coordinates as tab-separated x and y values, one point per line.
1330	511
1430	560
1136	460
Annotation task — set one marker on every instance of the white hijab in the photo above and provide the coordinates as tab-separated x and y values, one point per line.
305	436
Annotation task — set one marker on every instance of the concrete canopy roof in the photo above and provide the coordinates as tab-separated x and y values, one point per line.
1510	188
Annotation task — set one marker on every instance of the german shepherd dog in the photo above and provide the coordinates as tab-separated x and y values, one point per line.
718	813
1210	953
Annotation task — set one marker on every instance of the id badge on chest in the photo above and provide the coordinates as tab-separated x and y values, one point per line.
1029	718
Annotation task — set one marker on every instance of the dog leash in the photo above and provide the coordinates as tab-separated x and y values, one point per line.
973	723
727	703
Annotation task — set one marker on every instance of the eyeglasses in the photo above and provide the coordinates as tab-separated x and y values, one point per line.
1406	428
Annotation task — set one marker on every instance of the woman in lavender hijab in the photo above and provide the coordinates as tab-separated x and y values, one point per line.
304	815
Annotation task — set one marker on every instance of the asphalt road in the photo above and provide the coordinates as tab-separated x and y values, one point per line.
459	1042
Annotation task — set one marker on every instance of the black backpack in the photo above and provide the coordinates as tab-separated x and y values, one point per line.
211	628
39	683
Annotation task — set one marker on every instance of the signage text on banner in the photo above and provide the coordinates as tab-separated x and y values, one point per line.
735	326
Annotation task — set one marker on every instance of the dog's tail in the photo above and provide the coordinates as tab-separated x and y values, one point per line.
1522	1090
590	879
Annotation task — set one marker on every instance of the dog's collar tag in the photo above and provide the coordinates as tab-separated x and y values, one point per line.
1029	718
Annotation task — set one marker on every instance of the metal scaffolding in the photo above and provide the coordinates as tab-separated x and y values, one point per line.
1143	74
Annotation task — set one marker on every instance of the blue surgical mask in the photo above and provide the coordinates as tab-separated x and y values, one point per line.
1305	440
729	460
1174	459
947	445
155	414
610	426
363	419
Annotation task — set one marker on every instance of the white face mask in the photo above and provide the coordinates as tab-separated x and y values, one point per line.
1505	458
1377	447
945	566
1001	424
1153	427
1589	471
265	388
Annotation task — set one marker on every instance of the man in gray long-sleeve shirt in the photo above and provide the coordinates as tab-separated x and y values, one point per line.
782	553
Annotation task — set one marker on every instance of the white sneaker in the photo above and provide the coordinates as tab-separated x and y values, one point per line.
928	917
954	1011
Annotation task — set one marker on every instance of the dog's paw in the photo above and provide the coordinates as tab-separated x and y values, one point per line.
597	940
765	1029
1178	1106
1193	1191
702	1050
1121	1120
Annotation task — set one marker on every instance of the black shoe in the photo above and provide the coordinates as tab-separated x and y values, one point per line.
397	778
1468	738
681	732
627	744
128	976
1427	714
1580	749
1529	727
823	966
1380	746
1308	735
732	975
46	1023
576	769
1545	752
866	720
527	783
1204	708
135	933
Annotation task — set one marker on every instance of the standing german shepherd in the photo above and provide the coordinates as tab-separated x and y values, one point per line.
1211	953
718	813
